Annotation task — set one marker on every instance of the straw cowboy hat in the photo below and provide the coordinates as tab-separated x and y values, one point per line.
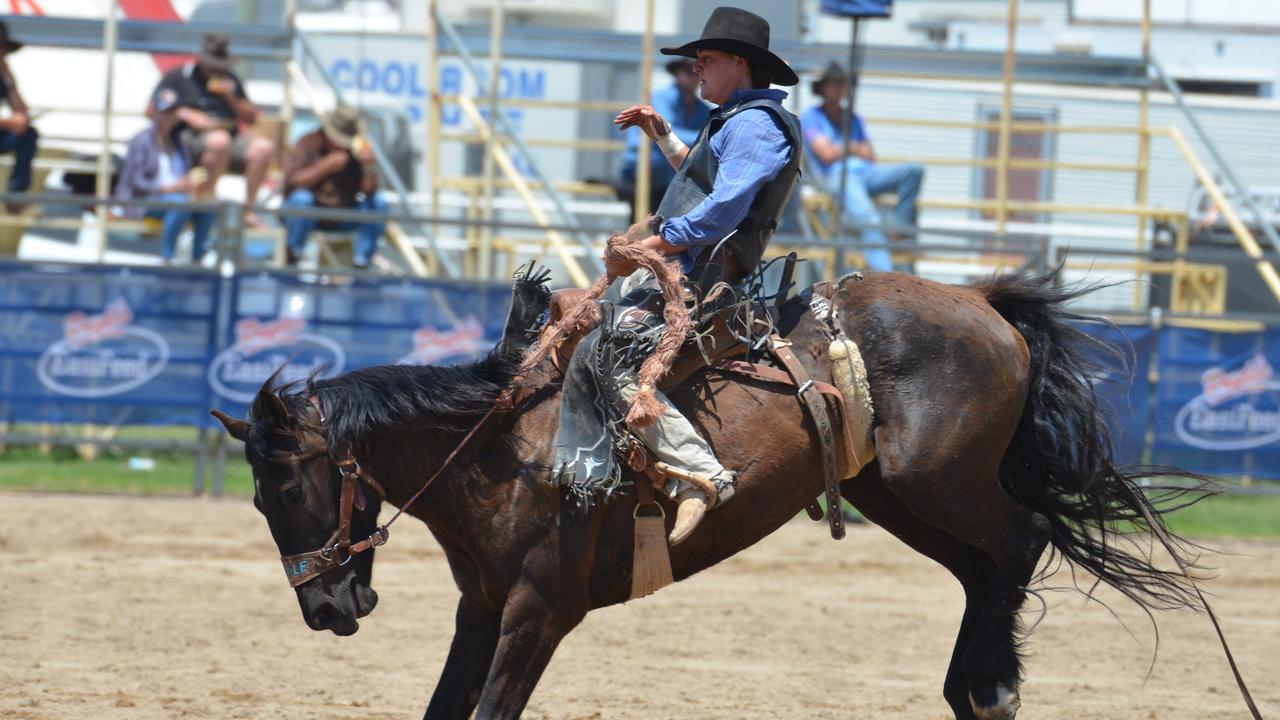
341	126
741	33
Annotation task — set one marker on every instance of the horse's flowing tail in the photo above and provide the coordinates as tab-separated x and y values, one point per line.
1061	463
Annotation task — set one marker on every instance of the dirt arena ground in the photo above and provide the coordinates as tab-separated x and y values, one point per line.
160	608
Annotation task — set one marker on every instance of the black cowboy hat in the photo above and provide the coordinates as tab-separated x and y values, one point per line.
7	42
741	33
215	52
833	74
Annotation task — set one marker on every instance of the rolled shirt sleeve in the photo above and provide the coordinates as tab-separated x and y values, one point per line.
751	149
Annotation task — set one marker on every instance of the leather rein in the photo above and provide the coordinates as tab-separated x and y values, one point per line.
338	549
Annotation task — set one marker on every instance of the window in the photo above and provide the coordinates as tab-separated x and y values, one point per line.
1025	184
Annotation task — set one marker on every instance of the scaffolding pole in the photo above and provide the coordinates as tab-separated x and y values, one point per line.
1144	147
644	169
1006	119
103	187
485	259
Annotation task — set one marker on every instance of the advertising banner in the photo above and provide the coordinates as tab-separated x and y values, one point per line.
136	346
1218	402
82	344
302	328
1122	384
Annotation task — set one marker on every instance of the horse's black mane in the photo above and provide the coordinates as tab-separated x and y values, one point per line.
448	398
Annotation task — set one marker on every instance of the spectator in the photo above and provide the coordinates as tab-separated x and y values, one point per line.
212	106
156	165
333	168
17	136
864	178
678	104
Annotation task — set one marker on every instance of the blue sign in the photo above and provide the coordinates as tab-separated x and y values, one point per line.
85	344
1121	383
124	346
858	8
1218	402
278	321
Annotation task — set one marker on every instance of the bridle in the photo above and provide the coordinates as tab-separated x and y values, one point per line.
338	549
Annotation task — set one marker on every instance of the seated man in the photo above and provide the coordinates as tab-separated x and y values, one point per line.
212	106
863	177
333	168
156	165
17	136
679	105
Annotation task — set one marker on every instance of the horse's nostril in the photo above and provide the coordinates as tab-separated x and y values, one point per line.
323	617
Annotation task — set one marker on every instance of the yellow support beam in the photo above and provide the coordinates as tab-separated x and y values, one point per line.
1219	199
521	187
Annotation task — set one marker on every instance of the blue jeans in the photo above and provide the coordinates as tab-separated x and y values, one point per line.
172	223
23	147
298	228
863	181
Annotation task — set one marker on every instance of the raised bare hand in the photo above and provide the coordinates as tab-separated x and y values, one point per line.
644	117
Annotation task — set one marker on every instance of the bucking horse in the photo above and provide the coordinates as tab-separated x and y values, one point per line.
990	446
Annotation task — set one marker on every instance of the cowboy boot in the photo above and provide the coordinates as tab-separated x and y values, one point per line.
693	503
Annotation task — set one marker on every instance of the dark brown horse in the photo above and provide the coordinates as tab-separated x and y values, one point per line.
991	447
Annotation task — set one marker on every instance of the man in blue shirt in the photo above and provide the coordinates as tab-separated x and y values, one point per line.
864	178
680	105
717	216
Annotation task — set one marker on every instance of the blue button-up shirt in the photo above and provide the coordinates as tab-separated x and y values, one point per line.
751	149
687	120
815	123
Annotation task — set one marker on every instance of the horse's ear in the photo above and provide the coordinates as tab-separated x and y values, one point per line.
237	429
268	406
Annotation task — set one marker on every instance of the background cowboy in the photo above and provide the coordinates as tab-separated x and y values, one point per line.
864	178
17	135
212	106
717	217
156	165
333	167
679	105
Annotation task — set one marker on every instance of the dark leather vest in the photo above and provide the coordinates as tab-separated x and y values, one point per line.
697	175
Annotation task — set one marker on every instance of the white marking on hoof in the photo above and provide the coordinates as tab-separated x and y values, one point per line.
1006	707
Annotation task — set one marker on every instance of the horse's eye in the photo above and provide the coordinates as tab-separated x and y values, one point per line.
292	494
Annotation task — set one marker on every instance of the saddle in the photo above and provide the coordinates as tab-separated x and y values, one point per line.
771	359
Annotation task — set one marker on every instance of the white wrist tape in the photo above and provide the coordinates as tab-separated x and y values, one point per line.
670	145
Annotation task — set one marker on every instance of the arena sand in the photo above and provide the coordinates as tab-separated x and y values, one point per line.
114	607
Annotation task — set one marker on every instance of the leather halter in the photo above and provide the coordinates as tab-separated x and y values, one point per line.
338	549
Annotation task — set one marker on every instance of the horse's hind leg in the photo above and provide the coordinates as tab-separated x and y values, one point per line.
946	469
969	565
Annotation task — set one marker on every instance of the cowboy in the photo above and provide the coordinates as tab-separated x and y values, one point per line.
864	178
716	218
333	167
17	136
679	105
212	105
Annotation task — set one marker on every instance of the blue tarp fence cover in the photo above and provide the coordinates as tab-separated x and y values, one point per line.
136	346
